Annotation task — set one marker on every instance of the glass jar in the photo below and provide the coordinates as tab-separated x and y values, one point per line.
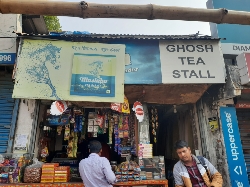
143	175
156	175
113	165
161	159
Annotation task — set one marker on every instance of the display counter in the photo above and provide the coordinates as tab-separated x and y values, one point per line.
163	183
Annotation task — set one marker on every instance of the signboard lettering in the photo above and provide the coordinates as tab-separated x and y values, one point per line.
191	62
234	48
190	48
241	48
7	50
235	158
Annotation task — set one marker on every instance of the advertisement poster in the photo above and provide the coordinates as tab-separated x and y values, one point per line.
93	75
58	120
70	71
213	122
21	142
142	56
235	156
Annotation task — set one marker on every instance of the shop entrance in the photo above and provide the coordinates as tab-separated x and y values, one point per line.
64	139
174	123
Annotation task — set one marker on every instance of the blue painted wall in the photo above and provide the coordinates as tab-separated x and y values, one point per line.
232	32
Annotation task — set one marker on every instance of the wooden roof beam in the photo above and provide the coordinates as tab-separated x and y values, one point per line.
92	10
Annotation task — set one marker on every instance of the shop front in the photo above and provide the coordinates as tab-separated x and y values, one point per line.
135	96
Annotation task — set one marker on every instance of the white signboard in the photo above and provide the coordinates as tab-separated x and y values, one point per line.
184	61
7	50
234	48
10	23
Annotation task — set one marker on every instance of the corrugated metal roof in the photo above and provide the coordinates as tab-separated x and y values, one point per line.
79	36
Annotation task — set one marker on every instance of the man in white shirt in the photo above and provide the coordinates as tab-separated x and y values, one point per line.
96	171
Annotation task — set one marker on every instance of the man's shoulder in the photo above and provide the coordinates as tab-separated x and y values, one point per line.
83	160
177	165
104	159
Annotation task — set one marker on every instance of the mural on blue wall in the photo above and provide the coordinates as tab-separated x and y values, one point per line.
142	64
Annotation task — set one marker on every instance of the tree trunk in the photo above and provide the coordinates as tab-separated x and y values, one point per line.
92	10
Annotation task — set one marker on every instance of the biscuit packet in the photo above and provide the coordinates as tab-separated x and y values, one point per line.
125	106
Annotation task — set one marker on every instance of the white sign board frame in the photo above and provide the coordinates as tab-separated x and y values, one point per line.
191	61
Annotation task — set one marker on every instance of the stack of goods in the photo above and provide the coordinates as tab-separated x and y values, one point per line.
72	121
123	144
62	174
154	167
48	172
128	171
110	121
73	130
32	175
149	175
162	167
9	170
145	151
98	123
132	133
72	145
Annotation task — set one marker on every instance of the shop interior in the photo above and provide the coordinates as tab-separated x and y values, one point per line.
64	139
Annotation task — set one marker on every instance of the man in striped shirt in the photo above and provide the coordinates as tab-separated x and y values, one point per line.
190	172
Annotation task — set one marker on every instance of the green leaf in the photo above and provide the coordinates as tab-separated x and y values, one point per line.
52	23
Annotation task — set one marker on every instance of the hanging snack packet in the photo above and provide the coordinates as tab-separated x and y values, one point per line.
67	132
125	106
100	121
59	130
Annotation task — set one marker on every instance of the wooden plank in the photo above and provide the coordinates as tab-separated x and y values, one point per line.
166	93
245	126
245	91
161	94
244	123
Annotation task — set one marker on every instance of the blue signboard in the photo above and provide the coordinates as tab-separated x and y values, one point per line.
58	120
235	157
7	58
143	65
233	33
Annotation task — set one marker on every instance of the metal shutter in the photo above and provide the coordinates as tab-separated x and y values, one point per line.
243	116
8	113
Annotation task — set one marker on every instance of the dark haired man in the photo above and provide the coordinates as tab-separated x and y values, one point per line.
96	171
190	172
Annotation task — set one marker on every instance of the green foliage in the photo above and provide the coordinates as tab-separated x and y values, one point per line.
52	23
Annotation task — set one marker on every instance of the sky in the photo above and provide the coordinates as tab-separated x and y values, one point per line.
138	26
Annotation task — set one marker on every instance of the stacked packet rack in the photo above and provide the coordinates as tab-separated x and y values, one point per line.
48	172
62	174
128	171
